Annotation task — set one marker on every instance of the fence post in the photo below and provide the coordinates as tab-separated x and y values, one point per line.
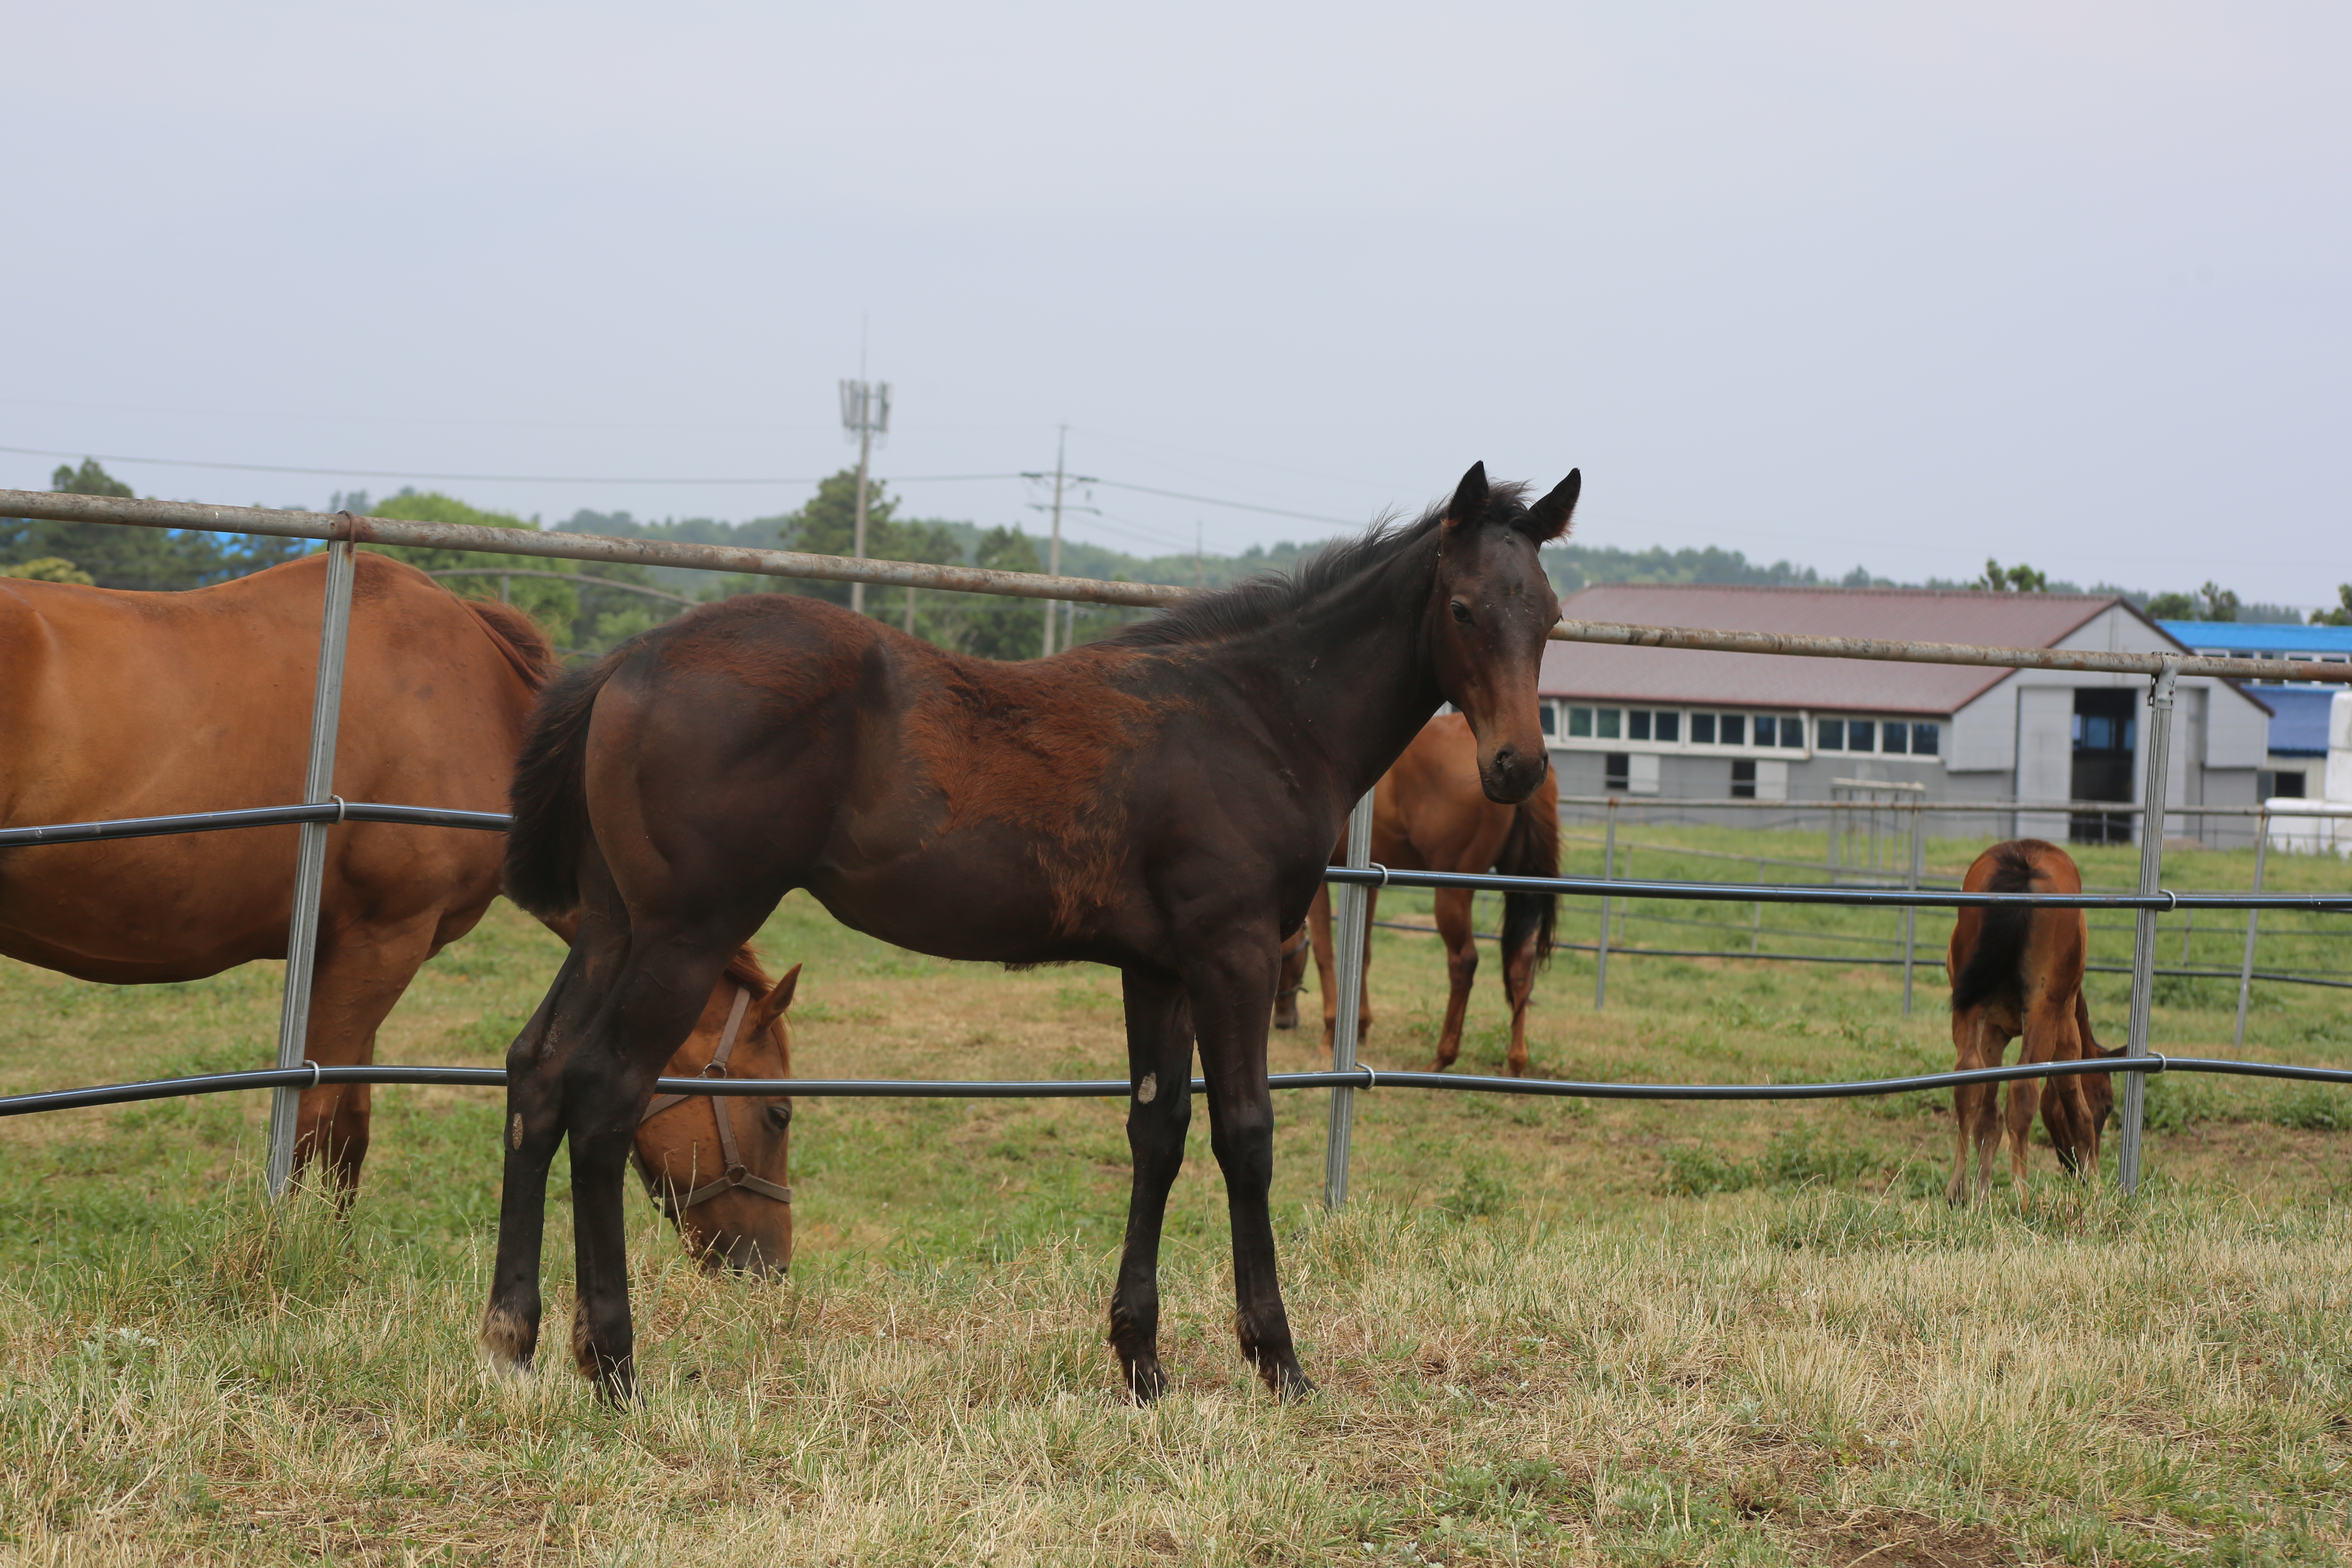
1756	928
1608	873
310	859
2246	965
1911	912
2151	871
1349	904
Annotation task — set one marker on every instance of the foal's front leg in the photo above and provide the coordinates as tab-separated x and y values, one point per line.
1159	1110
1229	992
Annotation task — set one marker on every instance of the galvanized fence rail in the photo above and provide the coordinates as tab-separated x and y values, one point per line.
343	531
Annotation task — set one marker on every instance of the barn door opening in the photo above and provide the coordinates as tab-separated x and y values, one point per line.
2106	726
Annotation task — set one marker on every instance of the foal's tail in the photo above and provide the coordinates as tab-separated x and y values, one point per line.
549	797
2002	933
1532	849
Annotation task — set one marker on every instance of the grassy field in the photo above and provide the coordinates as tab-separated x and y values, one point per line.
1544	1331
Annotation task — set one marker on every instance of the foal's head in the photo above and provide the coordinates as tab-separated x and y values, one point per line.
1493	606
682	1151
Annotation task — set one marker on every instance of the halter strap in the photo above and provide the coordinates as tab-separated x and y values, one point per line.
733	1173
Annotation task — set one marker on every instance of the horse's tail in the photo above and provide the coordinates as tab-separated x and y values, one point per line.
2002	933
1532	849
549	798
518	636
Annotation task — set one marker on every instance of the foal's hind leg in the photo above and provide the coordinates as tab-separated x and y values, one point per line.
533	1129
1160	1075
1975	1106
656	999
1461	969
1519	988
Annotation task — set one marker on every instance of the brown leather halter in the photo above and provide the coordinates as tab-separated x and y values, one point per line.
735	1175
1295	940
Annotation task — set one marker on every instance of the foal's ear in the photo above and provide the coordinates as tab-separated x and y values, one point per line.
1549	519
772	1005
1469	502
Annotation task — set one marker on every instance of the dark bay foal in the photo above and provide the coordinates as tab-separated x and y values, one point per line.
1163	801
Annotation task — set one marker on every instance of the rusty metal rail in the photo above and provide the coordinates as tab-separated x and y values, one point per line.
59	507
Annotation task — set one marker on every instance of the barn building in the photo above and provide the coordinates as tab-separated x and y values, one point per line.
1696	726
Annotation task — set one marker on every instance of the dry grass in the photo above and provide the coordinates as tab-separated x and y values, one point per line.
1533	1344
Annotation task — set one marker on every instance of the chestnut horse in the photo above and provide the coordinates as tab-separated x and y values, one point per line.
133	704
2019	971
1429	814
1162	801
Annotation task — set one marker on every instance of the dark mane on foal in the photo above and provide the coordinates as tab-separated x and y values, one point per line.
1269	597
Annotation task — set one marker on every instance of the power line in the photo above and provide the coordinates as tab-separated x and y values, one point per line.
364	473
367	473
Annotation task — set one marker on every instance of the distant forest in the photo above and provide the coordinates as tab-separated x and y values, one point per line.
589	607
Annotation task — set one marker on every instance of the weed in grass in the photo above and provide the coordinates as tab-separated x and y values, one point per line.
1796	1156
2313	1106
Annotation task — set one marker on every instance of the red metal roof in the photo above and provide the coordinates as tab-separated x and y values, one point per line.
1772	680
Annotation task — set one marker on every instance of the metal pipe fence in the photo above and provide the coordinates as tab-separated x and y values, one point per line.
344	531
1359	1078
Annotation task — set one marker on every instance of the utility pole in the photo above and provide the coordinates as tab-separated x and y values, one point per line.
864	414
1054	551
1063	479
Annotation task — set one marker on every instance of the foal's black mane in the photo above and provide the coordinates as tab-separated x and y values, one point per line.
1269	597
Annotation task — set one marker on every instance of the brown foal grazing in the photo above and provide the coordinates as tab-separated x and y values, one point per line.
2019	971
122	704
1429	814
1162	801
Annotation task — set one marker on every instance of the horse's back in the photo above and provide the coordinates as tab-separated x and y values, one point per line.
140	704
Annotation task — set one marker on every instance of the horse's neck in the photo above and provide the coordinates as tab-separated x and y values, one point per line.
1358	676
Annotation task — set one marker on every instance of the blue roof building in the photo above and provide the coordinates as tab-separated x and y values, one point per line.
2262	639
2298	728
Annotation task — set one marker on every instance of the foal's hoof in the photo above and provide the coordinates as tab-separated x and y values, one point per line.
1145	1380
1288	1384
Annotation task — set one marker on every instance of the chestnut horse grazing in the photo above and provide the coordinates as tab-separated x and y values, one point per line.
1163	801
1429	814
131	704
2019	972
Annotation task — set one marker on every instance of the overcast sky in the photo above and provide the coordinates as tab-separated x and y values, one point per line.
1883	284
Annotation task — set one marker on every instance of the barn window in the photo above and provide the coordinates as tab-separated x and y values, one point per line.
1792	731
1766	735
1926	739
1611	722
1743	781
1637	724
1861	735
1897	738
1580	722
1828	734
1733	729
1702	728
1549	717
1616	771
1670	726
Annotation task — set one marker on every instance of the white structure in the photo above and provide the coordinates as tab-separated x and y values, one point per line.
2296	823
1687	724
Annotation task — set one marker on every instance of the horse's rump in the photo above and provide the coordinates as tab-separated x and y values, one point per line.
1991	969
549	797
518	636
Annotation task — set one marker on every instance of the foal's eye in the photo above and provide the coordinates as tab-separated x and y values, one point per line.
1461	613
779	1117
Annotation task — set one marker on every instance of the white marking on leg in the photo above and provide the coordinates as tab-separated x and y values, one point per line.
1148	1089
